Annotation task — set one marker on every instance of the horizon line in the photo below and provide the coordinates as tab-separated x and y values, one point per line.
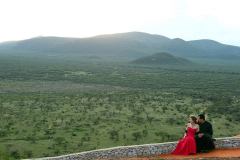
107	34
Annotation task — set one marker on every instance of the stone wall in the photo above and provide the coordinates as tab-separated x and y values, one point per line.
138	150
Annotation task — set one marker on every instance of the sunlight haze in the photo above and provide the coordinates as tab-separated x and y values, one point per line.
187	19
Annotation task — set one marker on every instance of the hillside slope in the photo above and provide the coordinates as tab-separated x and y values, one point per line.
162	58
130	45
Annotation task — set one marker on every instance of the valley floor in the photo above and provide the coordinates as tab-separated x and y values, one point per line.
51	106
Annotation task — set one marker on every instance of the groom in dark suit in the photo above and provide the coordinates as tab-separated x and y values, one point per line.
204	136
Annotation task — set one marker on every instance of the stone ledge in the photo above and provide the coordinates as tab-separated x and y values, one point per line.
138	150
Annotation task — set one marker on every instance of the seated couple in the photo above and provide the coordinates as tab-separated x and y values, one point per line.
198	137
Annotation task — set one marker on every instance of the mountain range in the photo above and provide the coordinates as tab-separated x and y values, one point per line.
129	45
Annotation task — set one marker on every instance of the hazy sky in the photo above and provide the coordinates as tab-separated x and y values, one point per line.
187	19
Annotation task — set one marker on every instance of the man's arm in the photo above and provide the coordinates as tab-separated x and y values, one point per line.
196	134
209	131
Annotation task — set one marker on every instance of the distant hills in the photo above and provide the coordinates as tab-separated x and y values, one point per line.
130	45
162	58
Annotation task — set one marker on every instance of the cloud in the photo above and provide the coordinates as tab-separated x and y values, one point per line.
226	12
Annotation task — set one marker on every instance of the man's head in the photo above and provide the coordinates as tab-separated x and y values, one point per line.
201	118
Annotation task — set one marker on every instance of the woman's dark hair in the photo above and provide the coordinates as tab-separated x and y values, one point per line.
202	116
194	119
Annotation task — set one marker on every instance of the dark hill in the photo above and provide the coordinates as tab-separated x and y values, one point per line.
162	58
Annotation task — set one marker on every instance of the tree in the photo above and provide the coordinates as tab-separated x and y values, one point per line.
28	153
60	140
14	153
136	135
114	135
144	132
3	132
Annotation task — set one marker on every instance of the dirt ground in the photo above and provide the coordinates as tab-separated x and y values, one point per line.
219	154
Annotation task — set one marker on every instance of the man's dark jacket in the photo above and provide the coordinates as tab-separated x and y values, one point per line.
205	143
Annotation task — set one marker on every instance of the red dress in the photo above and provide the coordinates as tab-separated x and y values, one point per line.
186	145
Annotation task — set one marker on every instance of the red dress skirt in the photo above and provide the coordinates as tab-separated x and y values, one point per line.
186	145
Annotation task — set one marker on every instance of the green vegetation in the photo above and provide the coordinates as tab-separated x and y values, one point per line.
57	105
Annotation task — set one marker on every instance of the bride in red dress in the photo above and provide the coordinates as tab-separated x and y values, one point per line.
187	145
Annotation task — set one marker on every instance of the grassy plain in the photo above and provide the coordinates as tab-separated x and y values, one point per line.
52	106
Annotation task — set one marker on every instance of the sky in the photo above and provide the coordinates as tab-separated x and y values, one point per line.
186	19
